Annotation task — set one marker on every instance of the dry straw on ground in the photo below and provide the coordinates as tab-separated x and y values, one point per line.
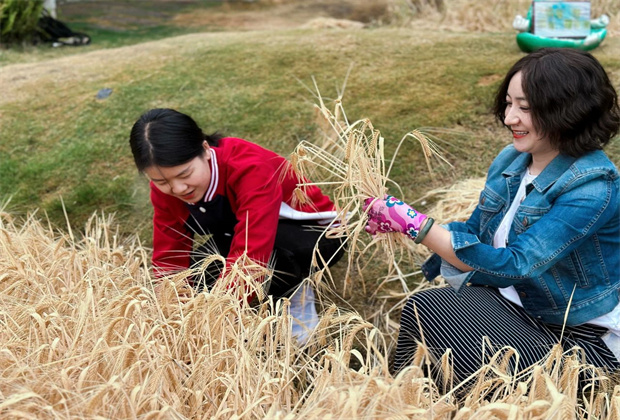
452	15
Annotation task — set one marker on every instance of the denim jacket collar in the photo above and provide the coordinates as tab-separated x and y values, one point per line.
518	165
547	177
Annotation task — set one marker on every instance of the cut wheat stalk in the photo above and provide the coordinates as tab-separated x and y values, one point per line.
352	162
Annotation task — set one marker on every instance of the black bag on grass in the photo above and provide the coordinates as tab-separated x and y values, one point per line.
53	30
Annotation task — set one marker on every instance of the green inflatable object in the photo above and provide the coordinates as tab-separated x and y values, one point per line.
529	42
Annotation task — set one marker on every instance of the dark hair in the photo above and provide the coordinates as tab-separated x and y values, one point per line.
165	137
571	99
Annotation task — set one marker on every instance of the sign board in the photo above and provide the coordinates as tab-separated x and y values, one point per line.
562	19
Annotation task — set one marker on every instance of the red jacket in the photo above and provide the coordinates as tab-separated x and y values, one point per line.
247	189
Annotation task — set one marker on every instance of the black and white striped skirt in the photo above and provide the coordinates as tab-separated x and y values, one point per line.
459	322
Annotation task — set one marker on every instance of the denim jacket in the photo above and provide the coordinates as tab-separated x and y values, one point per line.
564	242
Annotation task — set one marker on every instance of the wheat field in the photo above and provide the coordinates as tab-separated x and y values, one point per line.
84	337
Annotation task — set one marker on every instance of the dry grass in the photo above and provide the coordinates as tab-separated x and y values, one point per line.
455	15
84	336
477	16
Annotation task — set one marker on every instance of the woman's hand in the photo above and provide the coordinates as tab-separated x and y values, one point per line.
392	215
389	214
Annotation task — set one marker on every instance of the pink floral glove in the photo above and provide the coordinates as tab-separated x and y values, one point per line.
392	215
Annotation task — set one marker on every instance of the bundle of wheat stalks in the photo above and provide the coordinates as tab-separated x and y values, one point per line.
351	164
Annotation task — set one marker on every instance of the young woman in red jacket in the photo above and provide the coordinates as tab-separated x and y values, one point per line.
239	193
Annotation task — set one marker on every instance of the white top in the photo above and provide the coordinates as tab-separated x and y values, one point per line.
322	217
610	320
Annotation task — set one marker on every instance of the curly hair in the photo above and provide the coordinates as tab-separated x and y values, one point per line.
572	101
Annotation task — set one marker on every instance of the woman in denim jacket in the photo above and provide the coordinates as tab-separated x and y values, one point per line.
544	240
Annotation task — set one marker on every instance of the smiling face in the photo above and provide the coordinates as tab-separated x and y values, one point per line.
188	182
518	118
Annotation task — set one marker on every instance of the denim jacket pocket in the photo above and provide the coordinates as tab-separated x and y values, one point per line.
588	264
490	205
569	271
525	217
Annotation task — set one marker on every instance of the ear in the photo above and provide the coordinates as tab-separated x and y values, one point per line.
207	148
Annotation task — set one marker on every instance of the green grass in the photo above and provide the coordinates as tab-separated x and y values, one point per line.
59	141
125	22
110	38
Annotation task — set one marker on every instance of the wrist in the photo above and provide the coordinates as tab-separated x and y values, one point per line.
424	229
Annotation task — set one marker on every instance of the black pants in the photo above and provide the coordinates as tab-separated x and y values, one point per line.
292	255
459	322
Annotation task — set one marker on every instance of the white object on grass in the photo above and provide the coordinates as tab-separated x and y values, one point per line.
303	312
